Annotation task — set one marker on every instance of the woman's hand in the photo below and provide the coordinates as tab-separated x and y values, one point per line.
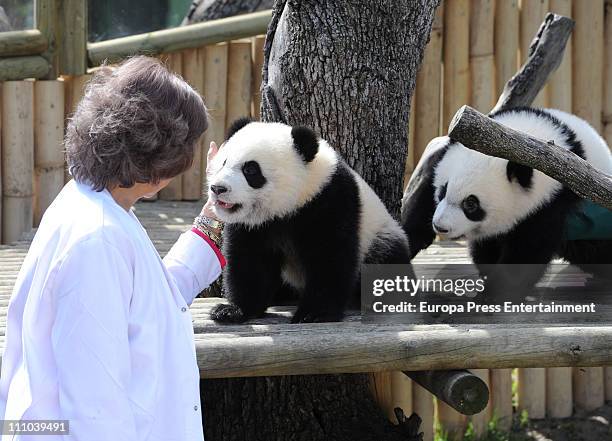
212	152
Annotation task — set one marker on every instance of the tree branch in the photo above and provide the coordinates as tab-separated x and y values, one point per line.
481	133
545	55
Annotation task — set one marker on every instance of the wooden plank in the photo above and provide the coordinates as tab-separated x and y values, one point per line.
215	93
74	90
532	15
20	68
73	49
501	397
482	57
589	390
560	83
174	190
26	42
427	109
46	14
184	37
238	81
48	143
380	385
451	421
257	56
17	158
607	102
480	421
587	55
193	72
532	392
506	41
559	399
456	58
423	405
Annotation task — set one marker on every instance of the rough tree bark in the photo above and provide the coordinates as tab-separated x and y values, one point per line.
204	10
348	70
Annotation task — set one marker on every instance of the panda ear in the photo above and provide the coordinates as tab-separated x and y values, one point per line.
305	142
237	125
521	173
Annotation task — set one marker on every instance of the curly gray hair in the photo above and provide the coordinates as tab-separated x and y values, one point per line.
137	122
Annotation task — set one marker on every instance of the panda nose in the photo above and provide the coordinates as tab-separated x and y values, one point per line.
439	229
218	189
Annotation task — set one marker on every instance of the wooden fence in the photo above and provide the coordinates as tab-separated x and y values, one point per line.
475	46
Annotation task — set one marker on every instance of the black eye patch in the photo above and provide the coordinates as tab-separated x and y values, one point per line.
472	209
253	175
442	192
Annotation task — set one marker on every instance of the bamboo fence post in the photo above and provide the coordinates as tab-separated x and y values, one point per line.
560	82
532	14
193	72
238	81
46	19
74	89
215	93
48	144
501	397
401	392
17	158
506	42
456	57
588	104
608	383
380	385
482	57
73	52
257	56
427	108
559	399
450	420
532	392
174	190
607	104
423	405
587	57
480	421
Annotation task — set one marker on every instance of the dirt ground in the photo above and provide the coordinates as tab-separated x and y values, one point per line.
591	426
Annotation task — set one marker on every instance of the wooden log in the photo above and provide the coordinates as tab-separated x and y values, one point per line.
193	72
532	14
456	57
506	41
26	42
532	392
607	101
501	397
74	90
427	108
423	406
460	389
608	382
478	132
589	392
380	385
480	420
410	161
257	56
73	50
48	144
17	158
184	37
482	58
560	83
47	20
545	56
238	81
174	190
215	92
451	422
587	89
559	398
20	68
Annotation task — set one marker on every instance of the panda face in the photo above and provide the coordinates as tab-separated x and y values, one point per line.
480	196
266	171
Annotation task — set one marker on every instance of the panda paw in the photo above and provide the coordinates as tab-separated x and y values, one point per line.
303	316
227	313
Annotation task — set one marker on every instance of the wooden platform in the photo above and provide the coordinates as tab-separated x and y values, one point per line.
272	346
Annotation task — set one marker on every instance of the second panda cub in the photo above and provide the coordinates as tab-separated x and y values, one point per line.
298	220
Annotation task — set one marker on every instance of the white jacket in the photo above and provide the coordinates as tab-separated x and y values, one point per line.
99	330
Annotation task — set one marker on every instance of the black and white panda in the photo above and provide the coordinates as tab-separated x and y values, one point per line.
508	213
298	221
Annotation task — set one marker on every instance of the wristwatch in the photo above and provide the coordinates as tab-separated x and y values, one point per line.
201	220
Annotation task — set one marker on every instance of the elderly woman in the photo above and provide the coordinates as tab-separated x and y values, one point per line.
99	332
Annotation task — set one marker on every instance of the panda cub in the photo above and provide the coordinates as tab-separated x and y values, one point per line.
510	213
299	221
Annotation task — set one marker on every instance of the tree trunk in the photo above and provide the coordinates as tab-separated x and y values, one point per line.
348	70
204	10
